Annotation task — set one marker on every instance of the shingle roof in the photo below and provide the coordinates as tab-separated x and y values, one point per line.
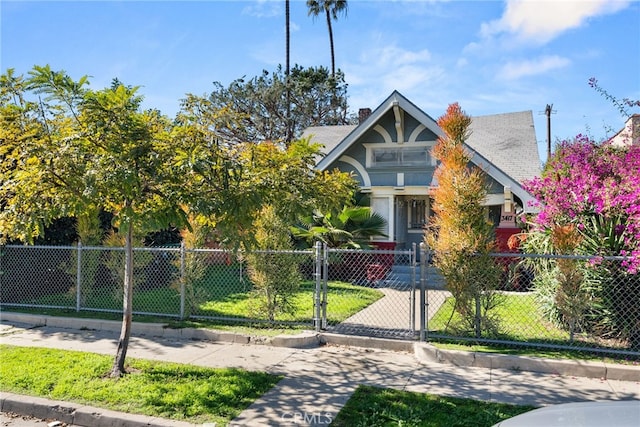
508	141
328	136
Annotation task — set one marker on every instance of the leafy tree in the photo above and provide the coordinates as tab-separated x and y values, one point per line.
232	181
68	151
332	9
460	232
318	98
258	109
76	151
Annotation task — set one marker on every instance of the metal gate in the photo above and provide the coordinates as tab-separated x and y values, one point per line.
372	293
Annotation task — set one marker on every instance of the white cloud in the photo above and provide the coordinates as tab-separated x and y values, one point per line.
393	56
391	67
515	70
387	68
540	21
409	77
263	9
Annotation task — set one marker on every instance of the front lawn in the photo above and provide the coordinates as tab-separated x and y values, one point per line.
168	390
518	319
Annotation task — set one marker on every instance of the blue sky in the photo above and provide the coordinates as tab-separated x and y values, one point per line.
489	56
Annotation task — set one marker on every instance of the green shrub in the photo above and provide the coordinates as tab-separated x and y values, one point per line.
275	276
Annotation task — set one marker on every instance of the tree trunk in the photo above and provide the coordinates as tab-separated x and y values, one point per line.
333	58
478	319
121	353
289	135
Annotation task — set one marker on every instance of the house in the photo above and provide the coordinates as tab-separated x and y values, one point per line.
630	134
389	152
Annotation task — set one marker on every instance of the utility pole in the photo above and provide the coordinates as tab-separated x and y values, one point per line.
547	111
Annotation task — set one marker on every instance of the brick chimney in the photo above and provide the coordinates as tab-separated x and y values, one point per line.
363	113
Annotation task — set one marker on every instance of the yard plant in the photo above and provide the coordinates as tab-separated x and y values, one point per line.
459	232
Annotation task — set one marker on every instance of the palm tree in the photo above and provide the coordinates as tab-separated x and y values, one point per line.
352	228
332	9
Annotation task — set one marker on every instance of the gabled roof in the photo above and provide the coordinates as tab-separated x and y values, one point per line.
349	136
505	143
629	134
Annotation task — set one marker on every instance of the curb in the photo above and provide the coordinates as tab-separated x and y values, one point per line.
367	342
564	367
81	415
301	340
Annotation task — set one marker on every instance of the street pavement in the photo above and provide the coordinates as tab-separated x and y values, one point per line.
318	379
17	420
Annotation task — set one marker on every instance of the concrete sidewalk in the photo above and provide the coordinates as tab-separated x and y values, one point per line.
318	379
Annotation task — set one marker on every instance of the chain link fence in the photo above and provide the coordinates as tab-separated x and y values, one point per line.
545	301
180	283
560	302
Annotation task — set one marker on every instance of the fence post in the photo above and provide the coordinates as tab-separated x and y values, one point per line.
424	302
412	295
79	277
317	276
325	281
183	279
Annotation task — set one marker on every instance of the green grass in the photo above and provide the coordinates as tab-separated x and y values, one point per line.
345	300
168	390
373	407
520	319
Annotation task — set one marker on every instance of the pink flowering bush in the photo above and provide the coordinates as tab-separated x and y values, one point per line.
594	189
584	181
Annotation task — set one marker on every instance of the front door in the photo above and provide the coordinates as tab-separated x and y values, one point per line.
411	216
417	215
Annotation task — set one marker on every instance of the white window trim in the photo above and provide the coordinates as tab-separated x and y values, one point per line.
370	146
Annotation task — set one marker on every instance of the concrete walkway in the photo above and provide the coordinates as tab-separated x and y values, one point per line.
391	315
319	380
